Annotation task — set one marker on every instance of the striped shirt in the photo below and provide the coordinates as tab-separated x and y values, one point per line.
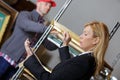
8	59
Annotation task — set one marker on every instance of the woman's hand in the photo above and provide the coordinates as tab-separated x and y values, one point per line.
66	38
28	48
54	31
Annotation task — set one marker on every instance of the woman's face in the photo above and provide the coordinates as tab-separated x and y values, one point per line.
87	41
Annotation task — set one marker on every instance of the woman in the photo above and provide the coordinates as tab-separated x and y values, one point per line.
94	41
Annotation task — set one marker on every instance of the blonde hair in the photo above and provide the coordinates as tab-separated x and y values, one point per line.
99	30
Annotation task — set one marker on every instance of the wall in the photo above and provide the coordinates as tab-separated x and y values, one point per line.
81	11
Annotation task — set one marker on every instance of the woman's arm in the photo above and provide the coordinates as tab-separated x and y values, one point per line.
33	65
36	68
64	50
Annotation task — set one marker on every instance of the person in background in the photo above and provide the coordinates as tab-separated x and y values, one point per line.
94	41
29	24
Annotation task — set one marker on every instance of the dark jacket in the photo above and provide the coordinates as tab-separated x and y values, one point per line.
27	25
77	68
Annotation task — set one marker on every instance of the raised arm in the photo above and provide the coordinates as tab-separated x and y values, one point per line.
64	50
33	65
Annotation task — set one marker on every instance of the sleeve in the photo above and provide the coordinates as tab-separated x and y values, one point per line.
36	68
64	53
25	22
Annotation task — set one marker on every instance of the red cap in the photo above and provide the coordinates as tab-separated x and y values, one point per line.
50	1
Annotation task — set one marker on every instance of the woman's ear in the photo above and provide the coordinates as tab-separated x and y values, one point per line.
96	40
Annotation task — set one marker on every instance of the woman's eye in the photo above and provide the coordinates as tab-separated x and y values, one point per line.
85	34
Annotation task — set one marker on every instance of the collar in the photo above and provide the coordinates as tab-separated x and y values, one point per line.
88	52
36	16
